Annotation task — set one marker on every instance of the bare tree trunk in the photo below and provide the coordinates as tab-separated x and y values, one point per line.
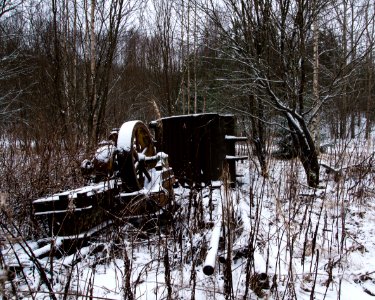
258	133
315	120
182	49
369	105
58	72
188	54
306	148
195	46
354	107
344	109
92	94
370	69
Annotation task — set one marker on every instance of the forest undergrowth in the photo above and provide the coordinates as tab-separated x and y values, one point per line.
279	238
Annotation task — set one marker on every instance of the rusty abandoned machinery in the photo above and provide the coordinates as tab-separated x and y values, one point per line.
130	174
126	177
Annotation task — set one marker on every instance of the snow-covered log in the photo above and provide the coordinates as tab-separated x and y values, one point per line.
209	264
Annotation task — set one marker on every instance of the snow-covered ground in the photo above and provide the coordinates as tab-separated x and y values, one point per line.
280	240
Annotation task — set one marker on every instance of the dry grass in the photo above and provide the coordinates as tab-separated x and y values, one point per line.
300	241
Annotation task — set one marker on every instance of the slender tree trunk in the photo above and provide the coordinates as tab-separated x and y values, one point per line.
258	128
370	69
353	55
344	109
58	71
195	47
188	54
183	57
370	85
92	95
315	121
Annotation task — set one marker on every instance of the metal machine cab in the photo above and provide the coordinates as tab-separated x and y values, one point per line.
201	146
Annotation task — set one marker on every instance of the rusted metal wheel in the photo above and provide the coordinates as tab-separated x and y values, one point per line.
134	144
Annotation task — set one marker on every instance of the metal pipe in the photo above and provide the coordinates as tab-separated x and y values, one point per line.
209	263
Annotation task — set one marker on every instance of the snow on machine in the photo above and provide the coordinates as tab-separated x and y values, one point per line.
127	177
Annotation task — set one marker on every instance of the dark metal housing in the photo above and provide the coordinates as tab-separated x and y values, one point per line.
200	146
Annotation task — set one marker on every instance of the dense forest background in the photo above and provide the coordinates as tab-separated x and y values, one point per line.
75	69
70	71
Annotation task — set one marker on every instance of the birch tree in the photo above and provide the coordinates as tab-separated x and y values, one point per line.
104	37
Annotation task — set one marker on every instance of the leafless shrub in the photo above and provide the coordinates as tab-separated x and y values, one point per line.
28	172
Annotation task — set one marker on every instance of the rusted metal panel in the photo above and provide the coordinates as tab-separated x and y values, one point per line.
197	145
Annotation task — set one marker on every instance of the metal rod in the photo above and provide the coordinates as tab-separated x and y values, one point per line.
209	264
